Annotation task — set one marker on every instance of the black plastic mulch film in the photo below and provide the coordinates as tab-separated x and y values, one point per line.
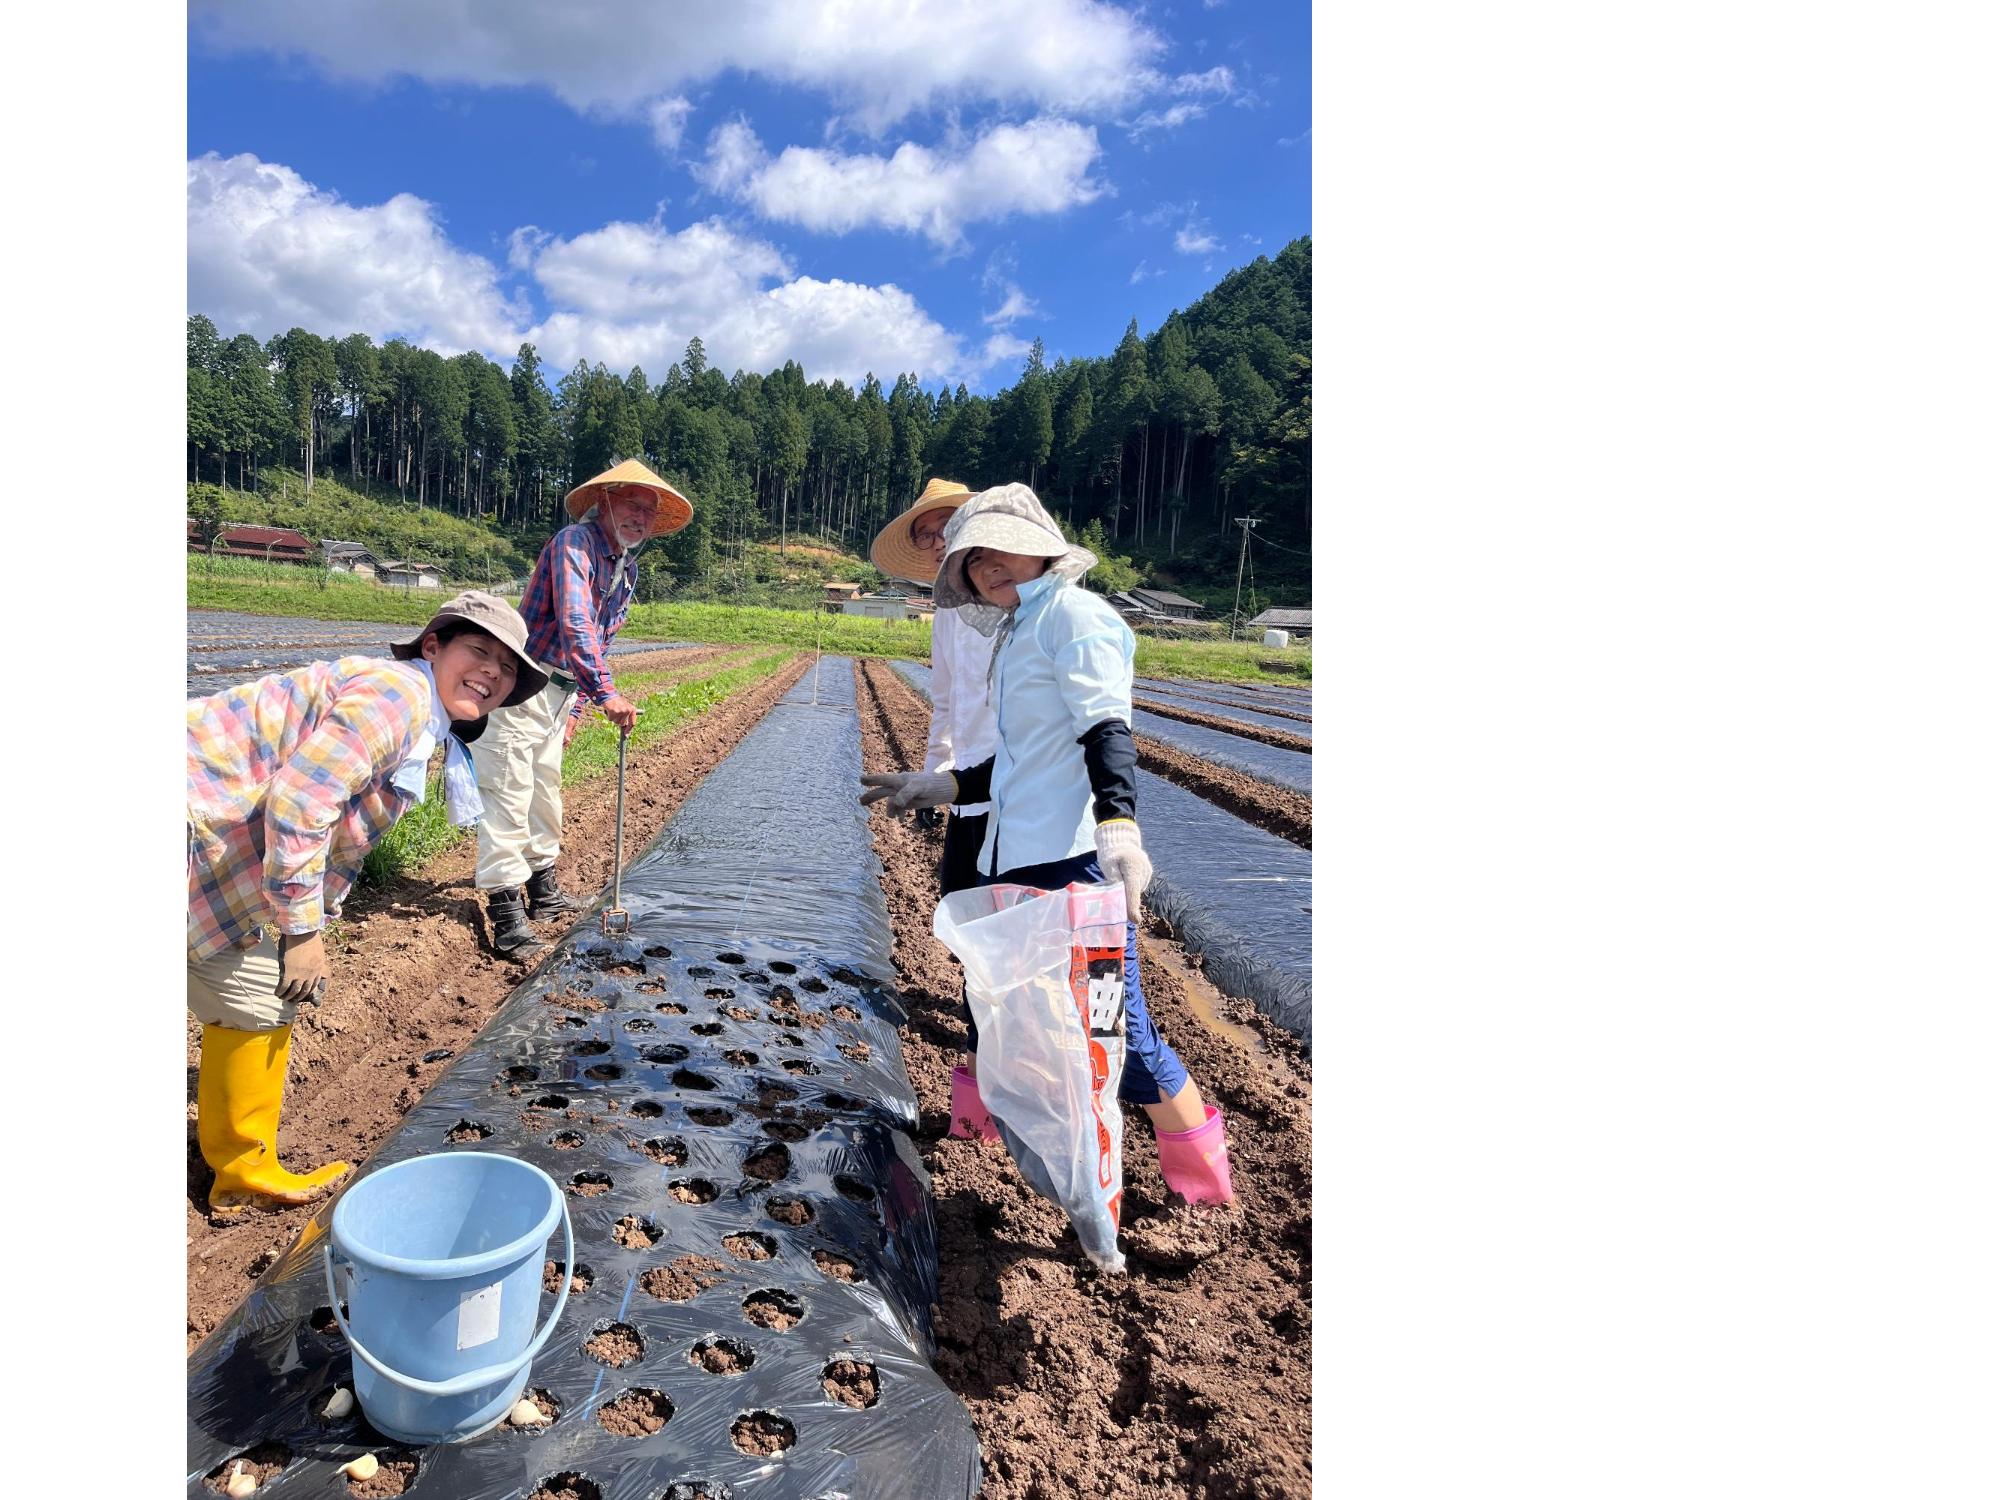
1238	897
733	1069
1223	705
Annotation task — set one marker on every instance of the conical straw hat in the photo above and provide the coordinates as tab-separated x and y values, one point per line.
892	550
676	510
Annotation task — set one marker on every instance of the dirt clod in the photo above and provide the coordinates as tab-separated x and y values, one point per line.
851	1382
839	1267
751	1246
681	1279
722	1356
616	1345
637	1413
635	1233
792	1211
762	1433
396	1471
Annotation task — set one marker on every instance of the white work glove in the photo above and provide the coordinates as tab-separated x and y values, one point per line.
1123	858
908	790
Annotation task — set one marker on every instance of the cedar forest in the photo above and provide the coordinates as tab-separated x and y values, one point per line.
1146	454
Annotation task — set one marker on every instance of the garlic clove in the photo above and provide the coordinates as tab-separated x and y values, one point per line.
240	1484
340	1403
363	1467
527	1414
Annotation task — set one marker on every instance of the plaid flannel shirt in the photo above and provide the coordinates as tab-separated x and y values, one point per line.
576	601
288	788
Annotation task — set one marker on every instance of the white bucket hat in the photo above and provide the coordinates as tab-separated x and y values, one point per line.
1008	519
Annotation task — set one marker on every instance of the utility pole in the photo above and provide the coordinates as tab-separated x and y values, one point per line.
1245	522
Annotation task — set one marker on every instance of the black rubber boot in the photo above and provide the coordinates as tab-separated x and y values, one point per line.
547	899
508	911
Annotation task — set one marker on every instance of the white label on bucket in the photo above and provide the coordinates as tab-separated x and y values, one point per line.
479	1317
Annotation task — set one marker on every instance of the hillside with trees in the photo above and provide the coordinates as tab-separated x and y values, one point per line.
1148	451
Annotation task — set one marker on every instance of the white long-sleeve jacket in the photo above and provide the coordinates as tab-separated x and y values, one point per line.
964	731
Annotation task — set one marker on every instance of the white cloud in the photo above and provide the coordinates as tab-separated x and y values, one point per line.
268	250
669	121
1042	167
1191	241
1217	80
1001	346
1141	273
1017	305
1293	140
878	60
1170	119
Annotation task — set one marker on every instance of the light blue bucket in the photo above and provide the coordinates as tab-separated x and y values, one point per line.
444	1260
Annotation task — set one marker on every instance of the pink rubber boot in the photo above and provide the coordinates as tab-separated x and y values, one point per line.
969	1119
1195	1162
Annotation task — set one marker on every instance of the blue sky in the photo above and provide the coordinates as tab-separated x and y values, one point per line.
885	186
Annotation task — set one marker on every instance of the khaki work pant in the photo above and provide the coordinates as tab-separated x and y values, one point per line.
238	988
519	764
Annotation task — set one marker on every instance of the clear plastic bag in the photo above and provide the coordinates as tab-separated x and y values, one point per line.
1045	977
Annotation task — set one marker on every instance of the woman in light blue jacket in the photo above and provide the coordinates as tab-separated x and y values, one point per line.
1063	779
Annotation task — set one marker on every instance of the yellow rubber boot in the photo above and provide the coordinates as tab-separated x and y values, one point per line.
237	1099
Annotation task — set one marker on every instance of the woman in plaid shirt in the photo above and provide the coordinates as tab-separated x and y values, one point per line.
291	780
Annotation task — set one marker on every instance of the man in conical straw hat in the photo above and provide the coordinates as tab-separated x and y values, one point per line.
575	603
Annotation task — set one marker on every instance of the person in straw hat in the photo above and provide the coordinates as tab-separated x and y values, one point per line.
575	603
291	780
1062	781
962	729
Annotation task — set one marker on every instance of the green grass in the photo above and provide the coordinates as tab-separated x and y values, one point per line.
275	589
426	831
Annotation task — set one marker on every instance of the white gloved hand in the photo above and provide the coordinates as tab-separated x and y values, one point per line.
908	790
1123	858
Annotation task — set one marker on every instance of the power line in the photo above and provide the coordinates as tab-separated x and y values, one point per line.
1281	547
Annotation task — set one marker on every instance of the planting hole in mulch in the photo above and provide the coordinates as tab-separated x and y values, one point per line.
798	1067
566	1486
467	1130
783	1004
792	1211
566	1140
762	1433
604	1073
640	1023
619	965
813	1020
637	1413
550	1101
731	958
706	1028
718	994
552	1271
768	1162
853	1189
615	1344
839	1267
687	1078
635	1233
395	1471
571	1023
682	1278
590	1184
750	1245
700	972
722	1356
666	1054
648	1109
710	1114
692	1190
521	1073
845	1103
738	1013
323	1321
546	1404
588	1004
751	976
671	1008
785	1130
697	1489
846	1013
851	1382
773	1309
779	966
659	950
812	983
590	1049
262	1463
859	1051
667	1152
740	1057
769	1094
